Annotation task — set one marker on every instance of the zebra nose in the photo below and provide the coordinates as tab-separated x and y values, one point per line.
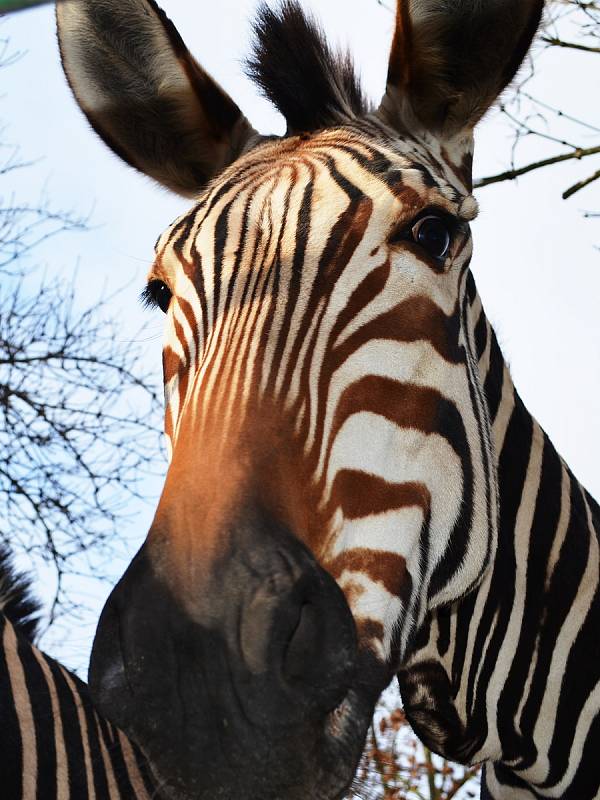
248	658
303	636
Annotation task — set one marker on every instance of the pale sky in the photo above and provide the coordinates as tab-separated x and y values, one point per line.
535	264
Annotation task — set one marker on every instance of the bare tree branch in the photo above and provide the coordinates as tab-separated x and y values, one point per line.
581	185
571	25
555	42
511	174
560	113
79	418
395	766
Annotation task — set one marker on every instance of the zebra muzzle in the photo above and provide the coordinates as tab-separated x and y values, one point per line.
222	684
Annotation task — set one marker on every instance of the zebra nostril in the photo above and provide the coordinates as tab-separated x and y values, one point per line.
301	655
297	638
317	648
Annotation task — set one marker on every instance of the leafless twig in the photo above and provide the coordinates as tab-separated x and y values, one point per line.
580	185
511	174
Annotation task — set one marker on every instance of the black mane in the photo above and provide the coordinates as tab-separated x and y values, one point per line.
310	84
16	601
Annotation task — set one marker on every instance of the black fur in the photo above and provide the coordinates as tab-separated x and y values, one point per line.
311	85
16	602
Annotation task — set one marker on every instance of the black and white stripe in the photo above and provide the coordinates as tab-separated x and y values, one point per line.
511	674
53	744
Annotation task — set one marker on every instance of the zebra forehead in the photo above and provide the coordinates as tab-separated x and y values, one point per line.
369	171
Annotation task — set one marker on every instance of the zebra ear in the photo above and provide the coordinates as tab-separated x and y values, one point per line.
450	60
145	95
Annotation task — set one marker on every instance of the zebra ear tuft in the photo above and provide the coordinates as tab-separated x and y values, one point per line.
145	95
306	80
451	59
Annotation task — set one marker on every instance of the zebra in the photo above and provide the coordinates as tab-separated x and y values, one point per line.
54	744
509	674
345	469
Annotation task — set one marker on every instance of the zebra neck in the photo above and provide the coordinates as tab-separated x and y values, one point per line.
508	674
53	743
532	681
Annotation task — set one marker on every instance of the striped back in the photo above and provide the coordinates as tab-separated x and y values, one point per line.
53	743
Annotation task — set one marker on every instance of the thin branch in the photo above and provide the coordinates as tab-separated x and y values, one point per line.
468	775
580	185
529	131
433	790
560	113
377	759
556	42
511	174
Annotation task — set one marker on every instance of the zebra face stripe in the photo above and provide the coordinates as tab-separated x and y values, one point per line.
319	370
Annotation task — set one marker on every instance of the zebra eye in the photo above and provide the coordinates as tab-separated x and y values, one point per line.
434	235
158	294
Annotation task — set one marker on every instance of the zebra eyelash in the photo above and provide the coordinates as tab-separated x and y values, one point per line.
146	298
156	294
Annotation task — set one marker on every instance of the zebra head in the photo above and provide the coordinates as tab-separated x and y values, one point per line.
331	476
